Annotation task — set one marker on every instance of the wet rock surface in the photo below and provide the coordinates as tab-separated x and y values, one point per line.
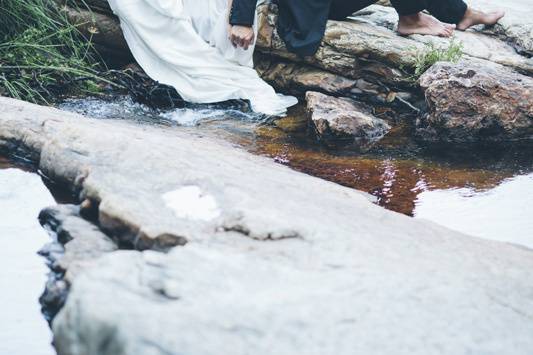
77	244
275	261
342	121
298	78
82	240
474	101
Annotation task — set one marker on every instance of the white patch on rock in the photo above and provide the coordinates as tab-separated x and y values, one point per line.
190	202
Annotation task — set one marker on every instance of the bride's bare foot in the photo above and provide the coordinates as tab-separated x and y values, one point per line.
474	17
424	24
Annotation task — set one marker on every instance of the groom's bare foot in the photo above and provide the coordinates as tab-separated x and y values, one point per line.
423	24
474	17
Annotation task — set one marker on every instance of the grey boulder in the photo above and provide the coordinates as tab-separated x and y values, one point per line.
474	101
343	121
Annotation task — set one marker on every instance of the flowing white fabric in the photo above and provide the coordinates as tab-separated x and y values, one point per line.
185	44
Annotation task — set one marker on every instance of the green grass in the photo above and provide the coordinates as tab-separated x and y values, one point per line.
432	54
43	55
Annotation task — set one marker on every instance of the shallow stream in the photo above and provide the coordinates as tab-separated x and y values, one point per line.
23	273
481	191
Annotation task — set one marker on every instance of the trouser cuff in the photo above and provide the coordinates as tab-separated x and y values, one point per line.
458	14
405	8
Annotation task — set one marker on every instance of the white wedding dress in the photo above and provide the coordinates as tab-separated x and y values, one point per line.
185	44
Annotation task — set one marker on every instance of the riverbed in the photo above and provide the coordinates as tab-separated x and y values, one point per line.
23	272
481	191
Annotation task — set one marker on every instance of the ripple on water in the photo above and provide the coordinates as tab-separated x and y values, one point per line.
124	108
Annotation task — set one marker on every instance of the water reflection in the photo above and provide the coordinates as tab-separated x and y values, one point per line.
23	329
398	169
502	213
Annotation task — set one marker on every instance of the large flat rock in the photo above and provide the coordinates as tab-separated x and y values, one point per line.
275	261
427	294
517	25
478	42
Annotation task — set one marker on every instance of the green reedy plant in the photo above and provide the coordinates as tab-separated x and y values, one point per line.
433	54
43	55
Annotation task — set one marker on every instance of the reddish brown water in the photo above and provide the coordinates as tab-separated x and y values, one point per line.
396	171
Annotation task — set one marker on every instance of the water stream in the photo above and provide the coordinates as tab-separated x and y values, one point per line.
23	330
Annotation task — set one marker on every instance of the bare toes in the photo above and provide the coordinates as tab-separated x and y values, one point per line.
498	15
448	31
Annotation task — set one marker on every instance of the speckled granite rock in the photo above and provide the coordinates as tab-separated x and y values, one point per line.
474	101
298	78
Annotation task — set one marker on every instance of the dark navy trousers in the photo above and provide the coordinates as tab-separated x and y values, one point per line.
301	23
450	11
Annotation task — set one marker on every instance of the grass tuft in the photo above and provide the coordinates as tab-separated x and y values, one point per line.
43	55
432	54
